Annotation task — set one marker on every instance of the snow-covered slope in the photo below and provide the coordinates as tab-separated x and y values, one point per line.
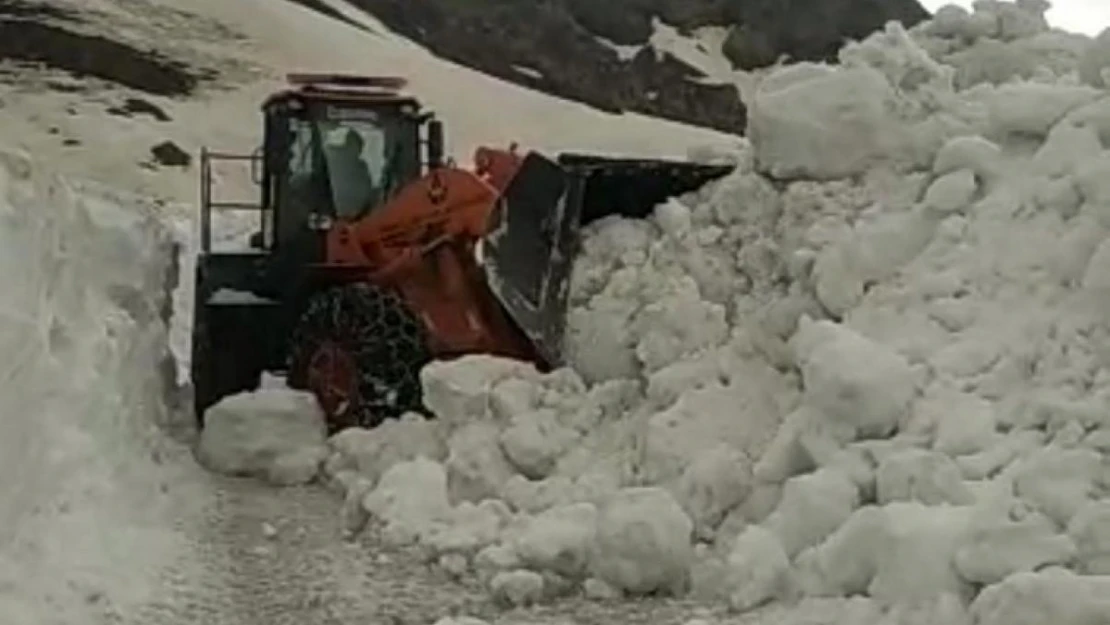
69	129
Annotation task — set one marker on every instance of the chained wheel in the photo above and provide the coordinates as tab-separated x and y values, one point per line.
360	351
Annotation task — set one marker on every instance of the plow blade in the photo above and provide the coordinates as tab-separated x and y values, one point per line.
533	237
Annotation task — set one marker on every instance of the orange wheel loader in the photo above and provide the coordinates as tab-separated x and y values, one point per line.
365	265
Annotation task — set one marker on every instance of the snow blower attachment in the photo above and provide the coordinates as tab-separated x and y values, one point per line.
374	256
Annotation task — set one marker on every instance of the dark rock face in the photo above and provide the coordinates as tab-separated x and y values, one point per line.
553	45
36	33
169	154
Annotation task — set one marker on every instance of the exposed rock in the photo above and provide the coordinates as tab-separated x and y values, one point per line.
566	47
33	32
138	106
169	154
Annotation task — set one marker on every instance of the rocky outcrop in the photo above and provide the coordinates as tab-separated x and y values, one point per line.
567	47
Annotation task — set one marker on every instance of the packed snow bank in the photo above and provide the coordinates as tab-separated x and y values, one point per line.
82	525
871	361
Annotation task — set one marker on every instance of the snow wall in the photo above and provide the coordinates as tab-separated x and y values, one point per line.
83	287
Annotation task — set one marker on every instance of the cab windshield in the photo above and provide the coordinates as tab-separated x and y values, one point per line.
348	166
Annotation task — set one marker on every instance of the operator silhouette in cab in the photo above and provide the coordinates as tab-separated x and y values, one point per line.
353	187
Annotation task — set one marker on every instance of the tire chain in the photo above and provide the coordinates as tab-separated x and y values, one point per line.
386	341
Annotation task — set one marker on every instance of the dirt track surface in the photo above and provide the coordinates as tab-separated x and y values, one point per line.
306	574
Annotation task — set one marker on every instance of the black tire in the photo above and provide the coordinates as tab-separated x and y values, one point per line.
226	357
382	338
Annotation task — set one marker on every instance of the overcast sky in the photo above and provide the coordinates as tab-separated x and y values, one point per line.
1084	16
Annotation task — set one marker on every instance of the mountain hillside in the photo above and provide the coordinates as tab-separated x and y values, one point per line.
608	54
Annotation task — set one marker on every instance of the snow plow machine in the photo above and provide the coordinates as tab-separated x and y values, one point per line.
375	255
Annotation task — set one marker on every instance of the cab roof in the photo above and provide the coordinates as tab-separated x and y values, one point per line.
344	89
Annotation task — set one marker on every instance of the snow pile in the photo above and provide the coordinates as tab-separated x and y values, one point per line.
872	361
82	329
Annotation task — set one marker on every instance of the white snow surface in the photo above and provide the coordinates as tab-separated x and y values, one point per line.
880	375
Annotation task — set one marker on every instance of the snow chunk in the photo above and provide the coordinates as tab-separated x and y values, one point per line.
952	21
558	540
470	528
700	420
874	251
970	152
812	507
962	424
643	543
494	559
822	125
534	441
1031	109
919	475
869	396
1005	539
1059	482
757	569
458	391
872	553
712	485
952	192
1054	596
476	466
372	452
276	434
411	500
1090	528
517	588
1068	148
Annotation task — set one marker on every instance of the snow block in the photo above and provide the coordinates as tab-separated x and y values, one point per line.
643	543
476	467
458	391
534	442
470	528
517	588
757	570
1058	482
899	553
712	485
999	545
851	380
824	125
812	507
1055	596
558	540
1090	528
274	434
410	501
372	452
737	415
929	477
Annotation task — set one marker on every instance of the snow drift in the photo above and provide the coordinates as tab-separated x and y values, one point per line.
83	337
872	361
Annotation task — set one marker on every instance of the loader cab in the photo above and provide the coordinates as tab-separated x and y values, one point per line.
335	153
